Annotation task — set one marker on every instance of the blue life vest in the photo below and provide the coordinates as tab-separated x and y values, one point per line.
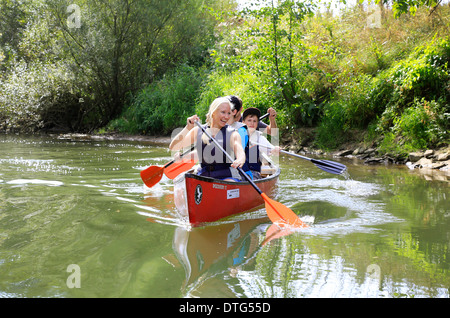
252	155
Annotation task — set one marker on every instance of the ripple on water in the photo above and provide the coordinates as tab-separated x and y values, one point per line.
21	182
337	206
39	165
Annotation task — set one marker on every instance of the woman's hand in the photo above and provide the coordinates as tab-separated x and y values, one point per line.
238	163
190	122
177	157
181	140
236	143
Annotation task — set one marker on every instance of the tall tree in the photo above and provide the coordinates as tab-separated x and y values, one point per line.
280	38
123	44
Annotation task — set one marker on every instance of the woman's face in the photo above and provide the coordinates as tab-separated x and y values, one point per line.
221	116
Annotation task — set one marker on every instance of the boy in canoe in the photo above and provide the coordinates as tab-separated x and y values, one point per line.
258	145
237	118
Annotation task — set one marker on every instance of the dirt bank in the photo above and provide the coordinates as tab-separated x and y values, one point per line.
113	136
431	162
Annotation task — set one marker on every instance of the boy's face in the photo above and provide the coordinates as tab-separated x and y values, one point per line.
251	121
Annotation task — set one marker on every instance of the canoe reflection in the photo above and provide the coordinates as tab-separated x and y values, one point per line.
208	251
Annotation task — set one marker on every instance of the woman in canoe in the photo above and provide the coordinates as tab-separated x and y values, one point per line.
214	163
258	146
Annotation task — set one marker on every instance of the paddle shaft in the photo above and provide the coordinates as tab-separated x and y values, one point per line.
316	162
246	176
321	162
264	116
283	151
181	156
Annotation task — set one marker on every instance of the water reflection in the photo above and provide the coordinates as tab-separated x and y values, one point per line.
299	271
384	232
216	250
356	246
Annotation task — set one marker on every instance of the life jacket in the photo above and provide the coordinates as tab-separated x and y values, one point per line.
252	154
214	163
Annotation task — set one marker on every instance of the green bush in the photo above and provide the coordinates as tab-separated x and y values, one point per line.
252	89
413	125
390	144
38	95
332	130
163	105
423	124
410	99
419	101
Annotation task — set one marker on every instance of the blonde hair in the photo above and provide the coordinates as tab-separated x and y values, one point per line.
212	109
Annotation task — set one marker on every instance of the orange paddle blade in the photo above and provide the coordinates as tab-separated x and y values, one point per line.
279	213
179	167
152	175
274	232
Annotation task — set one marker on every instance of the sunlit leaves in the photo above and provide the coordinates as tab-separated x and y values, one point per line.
107	49
400	7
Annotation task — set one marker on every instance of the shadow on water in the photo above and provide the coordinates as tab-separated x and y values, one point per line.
323	212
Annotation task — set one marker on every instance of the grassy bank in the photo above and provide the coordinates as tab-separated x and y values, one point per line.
387	86
362	77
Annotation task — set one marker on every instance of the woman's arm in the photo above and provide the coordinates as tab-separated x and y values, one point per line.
185	141
187	136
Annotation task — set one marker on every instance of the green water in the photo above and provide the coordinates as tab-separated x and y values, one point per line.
384	232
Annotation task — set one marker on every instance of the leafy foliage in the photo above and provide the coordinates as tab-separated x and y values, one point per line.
400	7
163	105
410	99
336	73
148	64
106	49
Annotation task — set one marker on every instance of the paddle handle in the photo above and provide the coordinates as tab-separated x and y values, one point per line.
295	155
314	161
264	116
246	176
326	165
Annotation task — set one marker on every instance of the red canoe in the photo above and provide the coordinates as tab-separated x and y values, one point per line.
203	199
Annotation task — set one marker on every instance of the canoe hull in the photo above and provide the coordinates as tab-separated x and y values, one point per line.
203	199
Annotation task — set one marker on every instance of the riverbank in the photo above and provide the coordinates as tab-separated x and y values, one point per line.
431	162
113	136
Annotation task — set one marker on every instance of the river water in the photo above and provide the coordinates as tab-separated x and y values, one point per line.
77	221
